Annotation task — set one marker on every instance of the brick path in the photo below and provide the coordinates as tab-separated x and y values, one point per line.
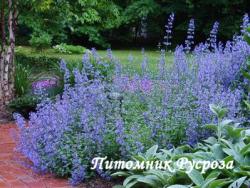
12	171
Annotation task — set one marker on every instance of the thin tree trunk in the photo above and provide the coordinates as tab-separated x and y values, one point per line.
3	39
7	60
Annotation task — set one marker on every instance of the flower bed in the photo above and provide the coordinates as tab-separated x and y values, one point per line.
126	114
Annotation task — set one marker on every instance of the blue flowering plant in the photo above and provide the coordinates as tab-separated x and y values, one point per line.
189	42
105	110
169	31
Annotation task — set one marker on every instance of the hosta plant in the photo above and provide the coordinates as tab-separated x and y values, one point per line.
229	143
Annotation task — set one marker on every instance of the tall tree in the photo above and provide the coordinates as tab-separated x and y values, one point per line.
7	52
81	18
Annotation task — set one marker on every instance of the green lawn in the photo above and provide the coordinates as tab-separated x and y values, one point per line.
122	55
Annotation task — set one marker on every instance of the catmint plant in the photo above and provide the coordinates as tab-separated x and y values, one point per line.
213	35
189	42
245	24
123	115
169	28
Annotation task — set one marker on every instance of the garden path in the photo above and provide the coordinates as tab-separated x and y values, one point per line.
13	172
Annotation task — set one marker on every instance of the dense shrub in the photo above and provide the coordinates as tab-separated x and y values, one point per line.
36	62
40	40
69	49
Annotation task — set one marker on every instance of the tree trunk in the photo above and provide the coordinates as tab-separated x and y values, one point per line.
7	59
3	39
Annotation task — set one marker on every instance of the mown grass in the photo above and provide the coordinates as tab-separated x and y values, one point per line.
122	55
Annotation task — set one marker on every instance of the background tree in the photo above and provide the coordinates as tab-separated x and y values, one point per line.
7	52
205	13
65	20
102	22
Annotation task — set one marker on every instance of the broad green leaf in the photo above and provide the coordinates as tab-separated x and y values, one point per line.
196	177
234	133
211	140
213	108
217	151
217	110
213	174
243	173
204	155
245	150
239	158
207	182
219	183
167	152
151	152
149	180
131	184
139	158
158	173
228	158
213	127
130	178
226	122
123	174
228	143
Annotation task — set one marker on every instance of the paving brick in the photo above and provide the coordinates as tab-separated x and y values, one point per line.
18	184
14	171
4	183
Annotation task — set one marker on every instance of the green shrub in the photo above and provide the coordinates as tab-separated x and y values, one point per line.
40	40
24	104
69	49
43	62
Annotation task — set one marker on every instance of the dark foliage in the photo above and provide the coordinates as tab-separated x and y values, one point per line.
134	23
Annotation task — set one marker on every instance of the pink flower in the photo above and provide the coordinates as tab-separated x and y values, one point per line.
146	85
44	84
